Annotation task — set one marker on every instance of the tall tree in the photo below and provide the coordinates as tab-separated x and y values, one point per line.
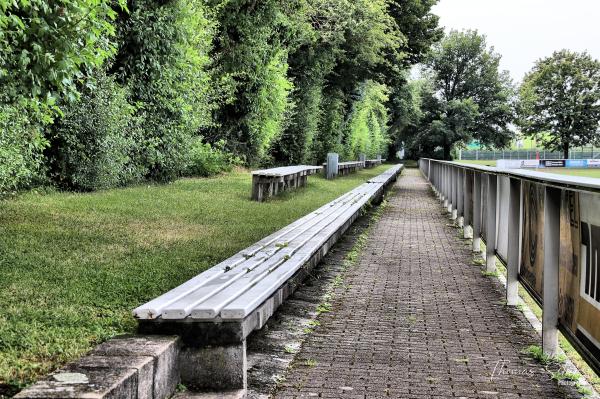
322	25
348	45
419	27
420	30
349	42
251	68
474	98
561	96
406	110
162	59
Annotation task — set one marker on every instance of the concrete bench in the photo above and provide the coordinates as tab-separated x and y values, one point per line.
371	163
345	168
270	182
214	312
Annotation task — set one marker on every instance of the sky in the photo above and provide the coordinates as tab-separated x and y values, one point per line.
523	31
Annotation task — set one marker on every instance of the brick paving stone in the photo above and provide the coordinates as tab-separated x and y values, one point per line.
416	319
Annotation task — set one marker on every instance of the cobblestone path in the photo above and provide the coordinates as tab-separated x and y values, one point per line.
415	318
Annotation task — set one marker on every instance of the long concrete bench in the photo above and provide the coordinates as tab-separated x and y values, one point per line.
214	312
270	182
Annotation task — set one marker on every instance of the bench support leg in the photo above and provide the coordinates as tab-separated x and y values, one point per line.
256	189
215	368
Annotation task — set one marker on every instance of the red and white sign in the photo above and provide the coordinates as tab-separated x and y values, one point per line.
593	163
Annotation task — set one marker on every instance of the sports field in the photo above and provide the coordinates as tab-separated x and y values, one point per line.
561	171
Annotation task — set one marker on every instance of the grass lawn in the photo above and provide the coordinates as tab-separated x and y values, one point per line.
75	265
480	162
560	171
573	172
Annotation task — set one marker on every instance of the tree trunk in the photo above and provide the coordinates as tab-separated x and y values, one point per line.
566	150
447	152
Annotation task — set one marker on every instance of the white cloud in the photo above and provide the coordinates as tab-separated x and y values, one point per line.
524	31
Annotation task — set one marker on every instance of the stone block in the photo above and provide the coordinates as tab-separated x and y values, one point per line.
214	368
90	383
233	394
164	350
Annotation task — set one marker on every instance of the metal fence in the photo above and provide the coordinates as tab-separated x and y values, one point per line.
487	155
546	229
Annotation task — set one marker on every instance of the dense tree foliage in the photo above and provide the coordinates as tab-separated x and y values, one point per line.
561	96
46	49
466	98
97	94
407	110
368	124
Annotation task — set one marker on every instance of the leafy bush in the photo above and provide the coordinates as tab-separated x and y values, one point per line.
97	139
296	142
46	45
207	160
45	49
21	145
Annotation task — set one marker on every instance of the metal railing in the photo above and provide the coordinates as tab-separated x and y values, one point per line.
546	229
487	155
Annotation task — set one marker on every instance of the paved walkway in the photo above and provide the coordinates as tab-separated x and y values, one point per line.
416	319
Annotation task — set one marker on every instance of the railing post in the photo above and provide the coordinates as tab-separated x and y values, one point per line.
432	176
429	170
467	198
490	232
477	212
448	187
452	205
436	178
455	193
551	270
432	180
460	194
514	238
439	175
445	191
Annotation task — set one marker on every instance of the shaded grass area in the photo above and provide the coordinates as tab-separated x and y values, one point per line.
75	265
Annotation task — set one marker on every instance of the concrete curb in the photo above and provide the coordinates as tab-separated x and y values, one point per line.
143	367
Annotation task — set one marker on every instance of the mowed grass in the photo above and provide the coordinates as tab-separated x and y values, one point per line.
573	172
73	266
479	162
560	171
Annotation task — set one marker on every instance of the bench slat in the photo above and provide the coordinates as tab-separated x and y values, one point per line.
174	305
244	304
248	269
154	308
287	170
210	308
